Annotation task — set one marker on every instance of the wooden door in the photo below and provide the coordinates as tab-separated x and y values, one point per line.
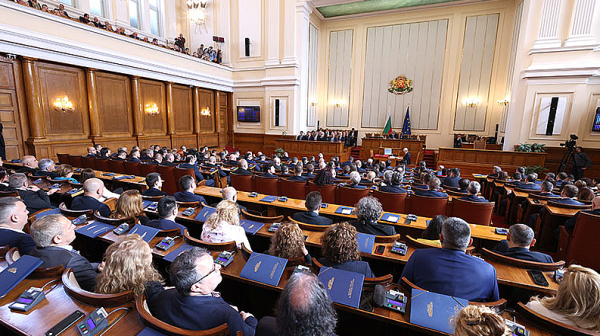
9	110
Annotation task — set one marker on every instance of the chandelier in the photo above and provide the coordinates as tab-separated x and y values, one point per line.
197	11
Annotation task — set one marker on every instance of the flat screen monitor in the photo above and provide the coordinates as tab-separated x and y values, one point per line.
387	151
248	113
596	123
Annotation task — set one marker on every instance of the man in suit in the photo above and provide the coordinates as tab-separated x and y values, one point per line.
193	304
452	179
158	158
190	163
167	212
169	160
134	156
546	190
529	183
232	161
242	168
269	171
519	239
581	162
570	223
568	195
300	136
188	185
449	270
458	141
560	178
92	191
298	169
46	168
13	217
303	305
154	183
53	235
91	152
148	155
394	184
407	157
463	186
34	198
30	164
368	212
473	189
310	169
434	185
212	164
121	156
354	181
313	205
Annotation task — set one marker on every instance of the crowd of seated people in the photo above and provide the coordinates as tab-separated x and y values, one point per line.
349	138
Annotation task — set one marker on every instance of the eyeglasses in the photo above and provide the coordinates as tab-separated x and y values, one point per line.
209	273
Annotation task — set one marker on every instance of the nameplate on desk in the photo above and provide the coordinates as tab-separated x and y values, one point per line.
269	199
95	229
174	254
264	268
15	273
251	227
388	217
344	210
204	214
146	203
365	242
55	211
146	232
435	311
344	287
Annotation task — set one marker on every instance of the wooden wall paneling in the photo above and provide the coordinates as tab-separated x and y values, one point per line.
206	99
137	107
34	108
114	143
161	140
114	105
57	81
183	109
209	140
340	56
482	161
153	92
555	155
9	110
255	142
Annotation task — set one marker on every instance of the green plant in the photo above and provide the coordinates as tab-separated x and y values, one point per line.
531	148
279	151
534	169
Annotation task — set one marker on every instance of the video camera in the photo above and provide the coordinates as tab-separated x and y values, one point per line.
571	143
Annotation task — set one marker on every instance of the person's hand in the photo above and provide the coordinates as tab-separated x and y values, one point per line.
304	250
245	315
584	168
52	191
101	266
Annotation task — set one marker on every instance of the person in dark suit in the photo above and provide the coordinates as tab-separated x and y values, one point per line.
190	163
13	217
452	179
134	156
91	152
313	204
395	184
368	212
354	181
310	169
242	168
30	165
340	250
92	191
300	136
188	185
212	164
46	168
167	212
570	223
121	156
496	172
546	190
407	157
581	162
193	304
473	189
449	270
529	183
569	192
53	235
34	198
268	171
463	185
434	185
458	141
298	169
154	183
519	239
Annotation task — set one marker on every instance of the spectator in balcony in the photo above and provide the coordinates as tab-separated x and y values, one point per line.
146	39
108	26
98	24
62	10
83	19
134	35
201	50
34	4
155	41
180	42
45	8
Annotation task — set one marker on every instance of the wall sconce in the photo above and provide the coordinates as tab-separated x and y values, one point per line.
338	103
503	102
314	103
64	105
205	112
197	11
152	109
472	102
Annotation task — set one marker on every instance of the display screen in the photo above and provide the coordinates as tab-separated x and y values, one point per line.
596	123
165	244
91	324
26	301
248	113
396	303
222	259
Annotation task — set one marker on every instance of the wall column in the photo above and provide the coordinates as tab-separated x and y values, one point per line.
550	19
137	106
92	93
196	110
581	25
273	33
170	112
289	33
32	94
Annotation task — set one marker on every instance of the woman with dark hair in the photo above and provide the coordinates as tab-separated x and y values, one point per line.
324	177
65	173
340	250
586	194
130	205
431	235
86	174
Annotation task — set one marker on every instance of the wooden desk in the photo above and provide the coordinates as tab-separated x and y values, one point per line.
480	160
300	148
373	144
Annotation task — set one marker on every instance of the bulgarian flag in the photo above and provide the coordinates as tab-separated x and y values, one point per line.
388	126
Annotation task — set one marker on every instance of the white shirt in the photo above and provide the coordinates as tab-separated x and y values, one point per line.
224	232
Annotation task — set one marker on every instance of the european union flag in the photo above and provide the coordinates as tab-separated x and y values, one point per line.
406	126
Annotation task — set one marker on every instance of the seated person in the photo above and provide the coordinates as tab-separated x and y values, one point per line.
313	204
169	160
188	185
89	173
495	172
242	168
298	168
546	190
425	178
64	172
34	198
452	179
224	226
345	171
91	152
30	165
529	183
92	191
570	223
193	304
53	235
567	195
463	185
586	194
268	171
369	178
434	185
449	270
560	178
134	156
130	205
230	194
432	233
4	179
395	184
127	265
212	164
340	250
480	320
368	211
190	163
310	169
354	181
13	217
46	168
473	189
576	300
519	239
288	243
285	171
121	156
154	183
167	213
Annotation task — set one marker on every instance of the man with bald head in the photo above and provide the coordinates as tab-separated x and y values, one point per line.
242	168
230	194
92	191
91	152
13	217
30	164
34	198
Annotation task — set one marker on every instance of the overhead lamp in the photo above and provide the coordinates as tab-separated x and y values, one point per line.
503	102
197	11
472	102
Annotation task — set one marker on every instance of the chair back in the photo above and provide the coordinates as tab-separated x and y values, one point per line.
387	239
167	329
309	227
241	182
152	198
146	169
181	172
73	289
112	221
529	191
117	166
267	186
64	159
73	213
261	219
9	194
412	242
132	168
472	212
428	206
3	250
392	202
327	191
47	272
188	204
102	164
12	255
76	161
227	246
567	206
88	162
582	247
546	267
168	175
293	189
350	196
370	283
546	323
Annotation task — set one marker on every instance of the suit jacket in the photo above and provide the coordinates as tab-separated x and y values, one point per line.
186	196
528	186
54	256
20	240
199	177
355	186
241	171
154	192
567	201
268	175
86	202
392	189
210	166
298	178
168	164
357	266
570	223
165	224
451	181
407	158
134	160
420	186
474	198
27	170
310	217
429	193
373	228
521	253
35	200
452	272
549	194
45	173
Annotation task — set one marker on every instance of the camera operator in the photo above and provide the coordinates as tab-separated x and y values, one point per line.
581	162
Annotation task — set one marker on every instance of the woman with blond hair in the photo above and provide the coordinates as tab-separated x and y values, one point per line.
577	300
479	321
127	265
130	205
224	226
340	250
288	243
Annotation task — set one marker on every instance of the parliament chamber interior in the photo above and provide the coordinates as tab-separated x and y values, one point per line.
299	167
